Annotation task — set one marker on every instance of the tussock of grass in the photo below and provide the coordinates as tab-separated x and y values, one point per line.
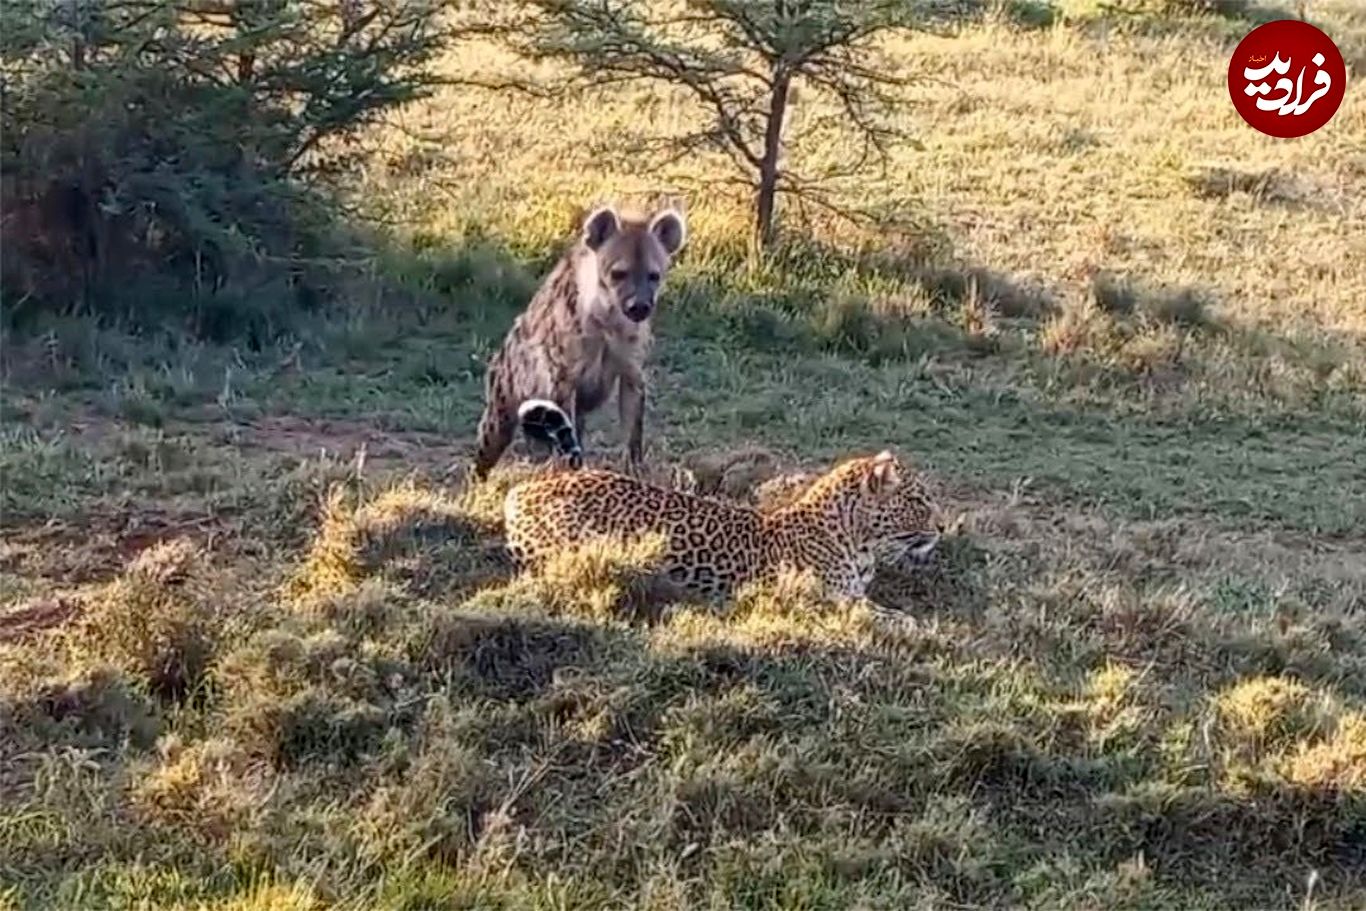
1122	331
790	610
86	707
1277	734
1337	763
157	621
408	533
292	699
205	789
1266	713
332	566
1270	184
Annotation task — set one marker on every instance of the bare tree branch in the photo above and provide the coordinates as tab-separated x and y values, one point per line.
738	60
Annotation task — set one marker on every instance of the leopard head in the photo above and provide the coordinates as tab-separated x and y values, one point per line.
882	505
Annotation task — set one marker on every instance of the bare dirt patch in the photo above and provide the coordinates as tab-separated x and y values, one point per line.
35	616
308	437
97	547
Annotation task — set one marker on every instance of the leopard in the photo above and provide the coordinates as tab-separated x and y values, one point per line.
843	524
586	333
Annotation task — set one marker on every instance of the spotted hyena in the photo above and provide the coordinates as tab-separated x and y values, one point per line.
586	332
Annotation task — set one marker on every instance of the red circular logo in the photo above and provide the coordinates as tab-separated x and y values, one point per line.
1287	78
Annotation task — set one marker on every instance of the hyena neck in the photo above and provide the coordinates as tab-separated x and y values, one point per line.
587	285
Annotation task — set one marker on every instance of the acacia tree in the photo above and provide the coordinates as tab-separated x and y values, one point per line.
739	60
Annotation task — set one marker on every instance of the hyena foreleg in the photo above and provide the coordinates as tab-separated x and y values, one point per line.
631	404
496	430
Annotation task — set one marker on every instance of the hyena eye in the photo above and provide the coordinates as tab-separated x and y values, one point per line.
618	275
653	277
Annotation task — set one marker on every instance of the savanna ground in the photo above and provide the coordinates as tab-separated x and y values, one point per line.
260	650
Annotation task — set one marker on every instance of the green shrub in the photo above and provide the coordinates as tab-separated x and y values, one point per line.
164	160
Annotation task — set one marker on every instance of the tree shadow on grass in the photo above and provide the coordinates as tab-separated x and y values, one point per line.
812	297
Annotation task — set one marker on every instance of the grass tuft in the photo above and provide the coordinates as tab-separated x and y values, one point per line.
153	622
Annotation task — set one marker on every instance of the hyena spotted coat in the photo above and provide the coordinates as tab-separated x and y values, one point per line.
586	332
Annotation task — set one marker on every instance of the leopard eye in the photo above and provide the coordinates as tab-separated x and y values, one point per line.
618	275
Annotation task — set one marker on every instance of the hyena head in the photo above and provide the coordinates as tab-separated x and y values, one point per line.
631	257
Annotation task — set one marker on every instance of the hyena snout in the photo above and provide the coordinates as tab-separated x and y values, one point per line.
638	308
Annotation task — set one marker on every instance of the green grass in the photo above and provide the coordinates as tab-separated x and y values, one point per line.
260	650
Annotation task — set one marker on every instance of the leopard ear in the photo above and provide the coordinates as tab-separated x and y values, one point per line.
883	472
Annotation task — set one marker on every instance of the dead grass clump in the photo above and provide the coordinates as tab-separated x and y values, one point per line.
332	566
1269	184
291	699
443	546
409	511
977	287
1267	714
482	501
1184	307
315	724
429	543
276	897
852	324
435	799
1230	8
1113	295
1278	736
997	754
94	707
790	610
1120	327
1336	763
1079	329
151	622
204	789
366	612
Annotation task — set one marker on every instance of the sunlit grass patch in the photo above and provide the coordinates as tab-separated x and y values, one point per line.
1276	733
1336	763
443	544
599	579
790	610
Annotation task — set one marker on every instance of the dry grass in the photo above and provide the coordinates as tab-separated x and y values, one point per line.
256	668
559	737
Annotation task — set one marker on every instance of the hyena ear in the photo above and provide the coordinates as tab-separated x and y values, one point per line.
883	473
599	226
670	230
